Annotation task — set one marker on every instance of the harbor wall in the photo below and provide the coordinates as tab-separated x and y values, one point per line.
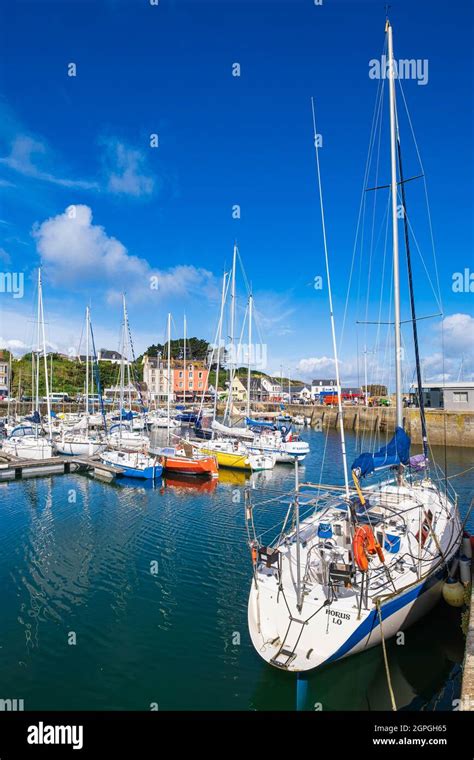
450	427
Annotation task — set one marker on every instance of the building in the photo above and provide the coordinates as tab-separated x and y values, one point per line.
113	357
185	384
189	383
322	386
453	397
239	391
4	374
155	377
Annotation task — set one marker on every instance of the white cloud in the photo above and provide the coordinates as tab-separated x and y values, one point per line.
315	366
76	253
458	334
25	156
126	171
17	347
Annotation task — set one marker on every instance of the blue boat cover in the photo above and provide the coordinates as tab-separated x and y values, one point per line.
397	451
258	423
34	418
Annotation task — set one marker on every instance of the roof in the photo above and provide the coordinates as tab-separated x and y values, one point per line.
458	385
104	353
323	382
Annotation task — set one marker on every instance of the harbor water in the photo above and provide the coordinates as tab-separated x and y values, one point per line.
124	596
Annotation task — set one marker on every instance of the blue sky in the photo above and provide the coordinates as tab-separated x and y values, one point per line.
84	140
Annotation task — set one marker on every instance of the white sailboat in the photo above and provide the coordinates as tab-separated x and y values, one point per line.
122	435
80	442
27	441
367	562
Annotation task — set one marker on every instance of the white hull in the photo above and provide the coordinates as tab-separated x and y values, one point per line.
326	629
78	447
34	448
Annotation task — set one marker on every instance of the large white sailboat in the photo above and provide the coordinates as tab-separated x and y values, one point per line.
366	562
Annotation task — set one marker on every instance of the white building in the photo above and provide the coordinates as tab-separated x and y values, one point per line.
4	372
155	376
111	356
322	386
453	397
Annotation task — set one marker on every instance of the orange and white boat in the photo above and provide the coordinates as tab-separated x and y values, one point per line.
176	461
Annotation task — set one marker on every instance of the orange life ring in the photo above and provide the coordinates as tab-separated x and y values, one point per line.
363	544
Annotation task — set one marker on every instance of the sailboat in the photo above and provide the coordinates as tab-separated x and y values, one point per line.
27	441
78	441
232	448
369	560
176	460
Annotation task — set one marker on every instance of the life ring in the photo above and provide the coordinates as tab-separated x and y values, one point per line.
363	544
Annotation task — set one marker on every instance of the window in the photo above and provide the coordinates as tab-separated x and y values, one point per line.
200	375
181	385
190	385
190	375
200	384
460	397
181	374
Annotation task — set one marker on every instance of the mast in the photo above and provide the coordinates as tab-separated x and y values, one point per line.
249	374
38	342
421	400
219	339
396	274
169	375
43	335
230	398
331	312
87	361
184	366
122	366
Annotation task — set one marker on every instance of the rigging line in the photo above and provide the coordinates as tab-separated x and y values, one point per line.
374	209
430	224
333	327
377	107
436	295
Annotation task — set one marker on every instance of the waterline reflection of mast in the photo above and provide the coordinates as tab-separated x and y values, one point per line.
333	326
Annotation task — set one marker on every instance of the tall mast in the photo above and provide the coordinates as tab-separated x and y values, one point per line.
122	359
219	339
230	404
331	312
38	342
87	360
249	374
396	274
43	335
169	374
184	366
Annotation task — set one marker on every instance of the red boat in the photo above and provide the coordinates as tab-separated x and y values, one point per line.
177	462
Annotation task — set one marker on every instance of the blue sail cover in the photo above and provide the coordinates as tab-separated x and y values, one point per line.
397	451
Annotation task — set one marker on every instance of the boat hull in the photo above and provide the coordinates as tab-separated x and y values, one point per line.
205	467
228	459
79	448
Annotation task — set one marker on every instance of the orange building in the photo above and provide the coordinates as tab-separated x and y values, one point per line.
193	381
